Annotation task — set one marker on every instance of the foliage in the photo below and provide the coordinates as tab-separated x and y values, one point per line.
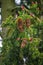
23	39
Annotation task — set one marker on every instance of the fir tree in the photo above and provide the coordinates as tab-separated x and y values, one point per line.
23	40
